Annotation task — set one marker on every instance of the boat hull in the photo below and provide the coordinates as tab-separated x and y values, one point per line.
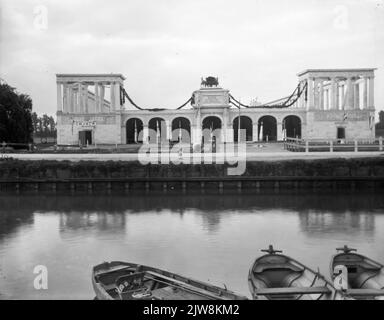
365	277
279	277
110	279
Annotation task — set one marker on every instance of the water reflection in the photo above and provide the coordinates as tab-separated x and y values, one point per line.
317	212
321	224
208	237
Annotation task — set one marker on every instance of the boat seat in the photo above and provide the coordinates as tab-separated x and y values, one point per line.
269	267
293	291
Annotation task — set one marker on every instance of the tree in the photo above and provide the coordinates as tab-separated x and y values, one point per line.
35	121
15	115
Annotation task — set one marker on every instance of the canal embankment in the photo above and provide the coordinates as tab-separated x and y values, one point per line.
339	173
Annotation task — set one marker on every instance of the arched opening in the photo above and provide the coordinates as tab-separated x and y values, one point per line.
181	130
267	128
245	124
211	123
134	129
292	127
157	130
211	131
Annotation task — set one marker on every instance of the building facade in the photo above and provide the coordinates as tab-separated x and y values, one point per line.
336	104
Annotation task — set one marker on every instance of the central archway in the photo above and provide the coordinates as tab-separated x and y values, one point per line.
245	124
157	130
211	125
267	128
292	125
134	128
181	130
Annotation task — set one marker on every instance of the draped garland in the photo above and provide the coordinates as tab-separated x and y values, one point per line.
288	102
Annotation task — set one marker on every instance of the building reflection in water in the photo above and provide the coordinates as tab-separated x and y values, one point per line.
319	214
322	224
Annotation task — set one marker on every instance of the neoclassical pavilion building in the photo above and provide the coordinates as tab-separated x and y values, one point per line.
327	104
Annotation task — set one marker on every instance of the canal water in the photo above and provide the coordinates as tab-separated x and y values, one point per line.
210	237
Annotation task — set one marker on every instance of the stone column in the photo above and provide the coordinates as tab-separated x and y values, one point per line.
113	98
85	98
316	95
371	98
117	96
59	98
229	133
310	102
365	93
70	99
74	99
255	131
327	97
225	130
198	133
321	96
65	98
357	96
80	98
145	134
338	100
342	97
168	133
102	97
350	95
334	94
279	131
97	98
302	98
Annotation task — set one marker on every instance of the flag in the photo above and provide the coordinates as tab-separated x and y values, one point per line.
180	133
239	126
157	131
135	132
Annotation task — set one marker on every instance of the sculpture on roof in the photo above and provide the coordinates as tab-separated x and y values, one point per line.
210	82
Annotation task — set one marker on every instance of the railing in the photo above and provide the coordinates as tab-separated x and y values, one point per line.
333	145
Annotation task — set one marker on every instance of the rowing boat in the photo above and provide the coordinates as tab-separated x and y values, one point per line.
358	276
129	281
275	276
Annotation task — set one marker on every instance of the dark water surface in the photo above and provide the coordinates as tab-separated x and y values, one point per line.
212	238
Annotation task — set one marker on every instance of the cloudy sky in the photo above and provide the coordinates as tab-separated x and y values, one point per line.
164	47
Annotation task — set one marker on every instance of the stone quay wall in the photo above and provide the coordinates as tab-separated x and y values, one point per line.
259	175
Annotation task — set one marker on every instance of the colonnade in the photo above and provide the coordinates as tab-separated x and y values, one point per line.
342	90
74	96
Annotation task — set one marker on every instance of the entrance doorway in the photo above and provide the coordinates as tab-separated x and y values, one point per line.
292	127
85	137
340	133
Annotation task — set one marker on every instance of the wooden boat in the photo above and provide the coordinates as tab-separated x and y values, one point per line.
275	276
363	278
128	281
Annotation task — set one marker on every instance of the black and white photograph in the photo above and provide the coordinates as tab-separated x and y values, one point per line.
169	150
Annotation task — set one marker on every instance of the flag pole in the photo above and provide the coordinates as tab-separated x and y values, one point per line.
239	124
